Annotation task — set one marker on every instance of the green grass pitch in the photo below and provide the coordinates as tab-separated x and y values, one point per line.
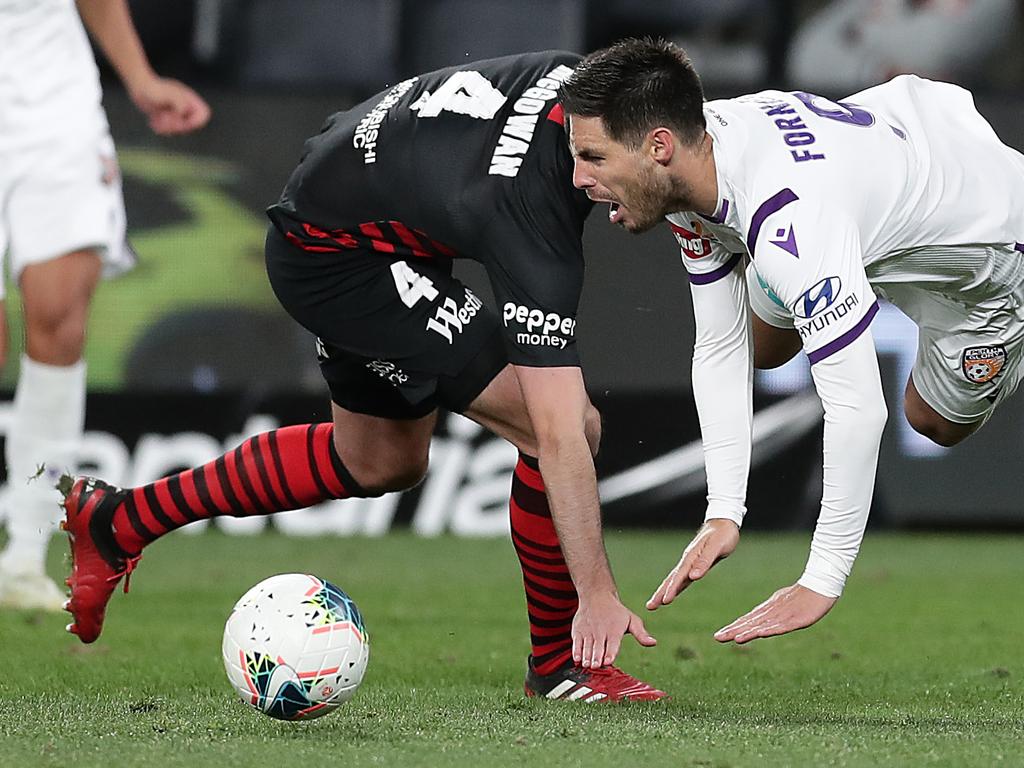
920	664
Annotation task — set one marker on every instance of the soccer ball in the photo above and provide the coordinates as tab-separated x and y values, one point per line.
295	647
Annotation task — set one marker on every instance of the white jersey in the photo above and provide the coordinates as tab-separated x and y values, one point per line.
59	183
49	83
890	191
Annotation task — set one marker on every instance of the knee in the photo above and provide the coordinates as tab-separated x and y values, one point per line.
57	338
376	481
398	479
379	474
939	430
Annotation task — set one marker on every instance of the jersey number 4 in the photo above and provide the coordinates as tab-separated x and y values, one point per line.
465	93
411	285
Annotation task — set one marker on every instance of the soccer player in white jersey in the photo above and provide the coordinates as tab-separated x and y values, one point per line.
805	210
61	226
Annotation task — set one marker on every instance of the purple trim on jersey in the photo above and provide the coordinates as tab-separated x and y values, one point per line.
775	203
715	274
720	214
846	339
1019	247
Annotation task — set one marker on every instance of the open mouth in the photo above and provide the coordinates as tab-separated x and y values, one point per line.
615	212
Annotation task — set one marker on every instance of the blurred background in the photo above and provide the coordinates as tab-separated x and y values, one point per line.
190	351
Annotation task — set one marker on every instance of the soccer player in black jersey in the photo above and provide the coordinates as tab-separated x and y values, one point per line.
467	162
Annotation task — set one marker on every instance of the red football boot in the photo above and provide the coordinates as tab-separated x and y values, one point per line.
97	563
573	683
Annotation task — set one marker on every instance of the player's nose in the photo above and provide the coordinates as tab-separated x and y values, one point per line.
581	179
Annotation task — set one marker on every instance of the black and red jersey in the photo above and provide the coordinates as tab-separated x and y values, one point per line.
466	162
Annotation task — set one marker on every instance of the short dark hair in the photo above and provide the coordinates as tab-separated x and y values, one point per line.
636	85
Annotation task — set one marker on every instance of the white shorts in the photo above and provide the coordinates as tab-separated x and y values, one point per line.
970	352
60	197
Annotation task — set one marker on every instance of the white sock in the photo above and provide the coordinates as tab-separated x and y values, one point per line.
45	431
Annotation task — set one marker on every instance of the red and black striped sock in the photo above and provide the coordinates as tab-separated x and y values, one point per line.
287	468
551	599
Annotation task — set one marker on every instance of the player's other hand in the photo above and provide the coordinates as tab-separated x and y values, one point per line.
789	609
598	628
715	541
171	106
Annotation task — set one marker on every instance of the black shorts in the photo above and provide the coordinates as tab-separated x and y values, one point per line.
397	338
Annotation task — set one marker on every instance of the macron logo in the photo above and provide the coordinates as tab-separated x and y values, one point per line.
786	240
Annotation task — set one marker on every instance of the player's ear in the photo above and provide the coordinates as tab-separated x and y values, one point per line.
662	144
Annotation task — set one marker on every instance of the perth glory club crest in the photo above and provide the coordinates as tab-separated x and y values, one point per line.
982	364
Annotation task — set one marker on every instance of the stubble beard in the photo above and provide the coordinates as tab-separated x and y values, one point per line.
654	197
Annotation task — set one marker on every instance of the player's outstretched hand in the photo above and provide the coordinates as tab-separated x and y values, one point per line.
598	627
789	609
715	541
171	106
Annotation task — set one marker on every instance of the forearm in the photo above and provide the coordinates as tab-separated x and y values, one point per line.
722	378
722	392
557	402
109	22
855	415
567	467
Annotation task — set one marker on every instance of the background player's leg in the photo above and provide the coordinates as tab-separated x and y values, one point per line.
47	419
928	422
551	599
4	341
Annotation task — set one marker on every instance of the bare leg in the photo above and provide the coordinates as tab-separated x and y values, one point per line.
48	418
773	346
927	421
551	597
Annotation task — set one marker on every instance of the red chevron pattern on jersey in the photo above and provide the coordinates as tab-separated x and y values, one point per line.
390	237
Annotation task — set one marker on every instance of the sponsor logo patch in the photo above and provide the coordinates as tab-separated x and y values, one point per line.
541	329
982	364
450	317
818	298
694	244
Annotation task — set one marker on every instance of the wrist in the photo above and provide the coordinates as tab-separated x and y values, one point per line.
725	510
599	596
824	583
724	514
139	80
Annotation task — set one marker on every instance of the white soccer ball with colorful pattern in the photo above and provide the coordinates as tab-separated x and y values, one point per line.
295	647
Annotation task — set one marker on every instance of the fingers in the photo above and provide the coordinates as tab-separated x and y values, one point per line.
595	656
597	640
665	593
173	119
788	610
693	565
174	108
762	631
600	651
588	650
611	650
637	629
701	564
744	623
